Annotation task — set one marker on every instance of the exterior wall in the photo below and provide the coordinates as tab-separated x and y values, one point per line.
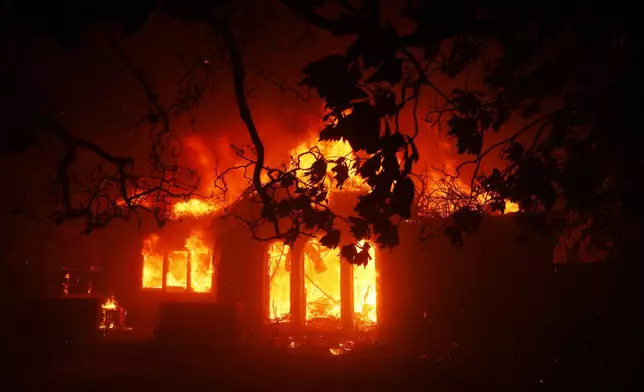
418	279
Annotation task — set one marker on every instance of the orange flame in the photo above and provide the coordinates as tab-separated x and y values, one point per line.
195	256
511	207
193	208
321	282
309	151
110	303
279	282
152	263
365	290
201	265
177	276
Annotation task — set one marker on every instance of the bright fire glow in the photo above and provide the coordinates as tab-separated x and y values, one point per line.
365	290
279	281
322	284
201	265
152	263
110	303
195	255
511	207
177	269
193	208
435	197
309	151
321	281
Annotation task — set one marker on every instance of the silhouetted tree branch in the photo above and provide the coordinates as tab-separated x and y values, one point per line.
114	190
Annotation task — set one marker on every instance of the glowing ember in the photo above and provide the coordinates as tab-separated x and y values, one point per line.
293	343
365	290
342	348
193	208
201	265
152	264
279	281
321	282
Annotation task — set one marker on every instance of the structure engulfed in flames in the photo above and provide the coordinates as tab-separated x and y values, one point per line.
191	268
188	268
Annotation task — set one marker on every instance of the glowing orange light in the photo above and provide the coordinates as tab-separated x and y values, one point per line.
365	290
279	281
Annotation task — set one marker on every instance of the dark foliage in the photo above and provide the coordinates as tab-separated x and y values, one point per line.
567	72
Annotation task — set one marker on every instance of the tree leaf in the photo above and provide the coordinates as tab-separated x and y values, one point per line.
403	197
334	82
331	239
359	228
468	139
514	152
341	171
317	171
467	220
349	253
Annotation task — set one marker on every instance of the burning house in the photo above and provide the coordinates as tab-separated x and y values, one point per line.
212	258
205	272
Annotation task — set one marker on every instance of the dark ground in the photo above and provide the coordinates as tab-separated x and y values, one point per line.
582	337
116	364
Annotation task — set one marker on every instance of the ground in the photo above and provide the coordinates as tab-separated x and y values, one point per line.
146	365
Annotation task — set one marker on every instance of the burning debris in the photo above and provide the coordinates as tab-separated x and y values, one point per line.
342	348
112	315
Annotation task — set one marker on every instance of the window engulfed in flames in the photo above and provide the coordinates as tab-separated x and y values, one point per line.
192	265
279	281
152	263
177	269
322	284
365	290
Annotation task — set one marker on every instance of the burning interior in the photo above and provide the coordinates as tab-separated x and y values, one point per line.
188	269
322	283
322	286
